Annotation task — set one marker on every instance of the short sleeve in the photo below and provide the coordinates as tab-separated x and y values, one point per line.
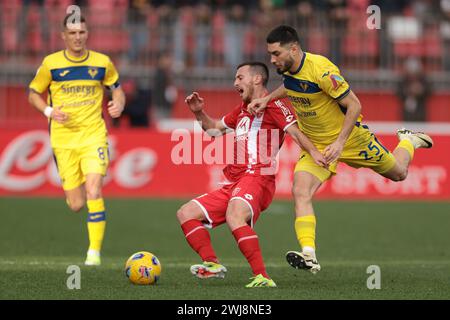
230	119
42	79
111	80
282	115
331	81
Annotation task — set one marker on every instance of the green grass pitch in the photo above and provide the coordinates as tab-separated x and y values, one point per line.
40	238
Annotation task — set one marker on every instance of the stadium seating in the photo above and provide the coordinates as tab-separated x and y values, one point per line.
113	41
362	50
107	13
318	42
9	14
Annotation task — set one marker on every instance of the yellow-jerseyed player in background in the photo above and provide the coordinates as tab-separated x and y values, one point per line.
329	114
74	79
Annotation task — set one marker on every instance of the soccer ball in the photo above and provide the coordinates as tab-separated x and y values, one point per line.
143	268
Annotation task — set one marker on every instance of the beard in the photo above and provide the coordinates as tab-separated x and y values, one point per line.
287	66
248	97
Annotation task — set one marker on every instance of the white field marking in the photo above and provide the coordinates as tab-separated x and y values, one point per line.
116	265
229	263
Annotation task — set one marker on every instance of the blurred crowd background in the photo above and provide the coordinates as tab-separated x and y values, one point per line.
165	49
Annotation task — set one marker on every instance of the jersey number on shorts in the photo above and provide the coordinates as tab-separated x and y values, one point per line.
101	153
371	148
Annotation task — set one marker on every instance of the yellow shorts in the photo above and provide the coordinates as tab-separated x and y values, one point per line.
362	150
74	164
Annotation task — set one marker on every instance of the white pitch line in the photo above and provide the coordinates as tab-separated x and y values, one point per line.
230	264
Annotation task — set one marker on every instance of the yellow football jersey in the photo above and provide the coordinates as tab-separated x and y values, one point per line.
76	84
314	91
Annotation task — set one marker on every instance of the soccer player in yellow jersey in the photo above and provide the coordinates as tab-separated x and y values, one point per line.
329	114
74	79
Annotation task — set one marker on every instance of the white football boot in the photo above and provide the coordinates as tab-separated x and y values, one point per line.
418	139
303	260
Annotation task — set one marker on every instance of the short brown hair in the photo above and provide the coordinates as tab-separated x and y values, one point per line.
257	67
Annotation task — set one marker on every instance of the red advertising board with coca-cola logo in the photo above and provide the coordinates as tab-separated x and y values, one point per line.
148	163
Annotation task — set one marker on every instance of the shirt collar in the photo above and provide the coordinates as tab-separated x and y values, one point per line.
300	66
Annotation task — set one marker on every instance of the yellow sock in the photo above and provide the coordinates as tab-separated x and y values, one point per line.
96	223
408	146
305	227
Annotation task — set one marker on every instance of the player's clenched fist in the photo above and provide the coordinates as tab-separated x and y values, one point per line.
258	105
115	109
195	102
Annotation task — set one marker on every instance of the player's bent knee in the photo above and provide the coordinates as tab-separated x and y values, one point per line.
234	218
237	215
188	212
182	215
400	177
397	175
75	205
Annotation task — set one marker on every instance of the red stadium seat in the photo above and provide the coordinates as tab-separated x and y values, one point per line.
217	38
318	42
10	14
361	49
186	19
405	48
10	38
56	42
107	12
10	11
433	52
109	41
432	46
35	41
11	4
428	48
56	10
249	44
360	41
58	3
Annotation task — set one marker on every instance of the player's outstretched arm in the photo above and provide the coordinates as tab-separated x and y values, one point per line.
54	113
258	105
211	126
304	143
117	104
353	106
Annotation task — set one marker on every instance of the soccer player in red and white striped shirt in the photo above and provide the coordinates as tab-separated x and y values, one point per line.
251	176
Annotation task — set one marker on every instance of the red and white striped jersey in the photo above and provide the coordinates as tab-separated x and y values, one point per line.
257	139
